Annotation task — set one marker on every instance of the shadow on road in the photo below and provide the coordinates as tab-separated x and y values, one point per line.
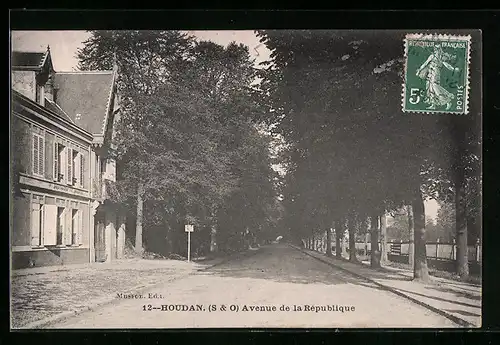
280	263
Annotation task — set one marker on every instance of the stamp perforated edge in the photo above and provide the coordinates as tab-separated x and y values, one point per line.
447	37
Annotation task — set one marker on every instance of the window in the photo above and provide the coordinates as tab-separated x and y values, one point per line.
36	223
38	155
60	225
69	165
59	162
40	95
63	226
82	170
78	168
76	227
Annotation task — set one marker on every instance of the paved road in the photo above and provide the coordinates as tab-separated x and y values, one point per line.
276	276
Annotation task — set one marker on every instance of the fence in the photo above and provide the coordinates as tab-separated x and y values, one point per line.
435	250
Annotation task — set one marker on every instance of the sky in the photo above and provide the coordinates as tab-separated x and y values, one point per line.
64	44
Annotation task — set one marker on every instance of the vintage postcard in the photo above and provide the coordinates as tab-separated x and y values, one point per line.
245	179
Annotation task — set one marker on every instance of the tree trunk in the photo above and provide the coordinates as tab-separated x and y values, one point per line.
138	227
339	234
420	271
461	228
328	242
120	239
352	238
213	238
411	244
375	252
383	238
366	243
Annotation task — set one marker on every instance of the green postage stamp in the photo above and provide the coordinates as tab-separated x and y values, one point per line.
436	78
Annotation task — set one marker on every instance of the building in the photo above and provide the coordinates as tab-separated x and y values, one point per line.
62	126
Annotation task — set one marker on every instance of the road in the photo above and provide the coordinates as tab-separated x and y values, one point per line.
277	276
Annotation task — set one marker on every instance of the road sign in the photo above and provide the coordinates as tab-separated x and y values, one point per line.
189	229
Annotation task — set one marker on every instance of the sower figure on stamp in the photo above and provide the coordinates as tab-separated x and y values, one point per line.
430	70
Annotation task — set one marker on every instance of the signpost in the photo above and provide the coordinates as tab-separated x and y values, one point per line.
189	229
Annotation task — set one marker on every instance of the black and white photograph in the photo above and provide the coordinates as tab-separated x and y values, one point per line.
175	179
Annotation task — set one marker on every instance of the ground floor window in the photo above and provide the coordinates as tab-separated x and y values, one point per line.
60	224
36	224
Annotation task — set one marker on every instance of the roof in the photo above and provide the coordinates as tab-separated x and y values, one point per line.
29	60
20	99
87	94
57	110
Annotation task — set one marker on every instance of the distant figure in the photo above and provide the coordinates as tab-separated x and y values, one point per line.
430	71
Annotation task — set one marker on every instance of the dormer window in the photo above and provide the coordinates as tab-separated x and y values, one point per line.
40	95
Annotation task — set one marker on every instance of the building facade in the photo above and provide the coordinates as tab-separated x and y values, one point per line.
62	125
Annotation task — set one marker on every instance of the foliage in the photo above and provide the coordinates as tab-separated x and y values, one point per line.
187	133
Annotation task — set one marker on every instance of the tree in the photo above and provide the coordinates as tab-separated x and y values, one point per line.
312	91
188	145
145	60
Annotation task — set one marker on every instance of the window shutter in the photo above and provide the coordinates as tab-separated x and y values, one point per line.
62	162
41	155
50	225
79	234
76	169
69	165
75	221
35	154
35	224
67	226
82	162
56	162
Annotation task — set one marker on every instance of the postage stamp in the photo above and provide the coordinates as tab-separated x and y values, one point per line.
436	78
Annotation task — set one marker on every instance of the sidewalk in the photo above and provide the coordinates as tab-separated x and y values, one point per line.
45	295
460	302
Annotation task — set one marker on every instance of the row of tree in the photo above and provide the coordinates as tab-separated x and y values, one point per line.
352	153
189	146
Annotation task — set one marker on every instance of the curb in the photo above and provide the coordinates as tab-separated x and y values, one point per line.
140	289
449	316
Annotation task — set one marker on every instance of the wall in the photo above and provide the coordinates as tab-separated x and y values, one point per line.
24	83
22	145
21	229
52	257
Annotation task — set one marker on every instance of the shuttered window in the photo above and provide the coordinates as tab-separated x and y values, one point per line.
38	155
82	162
56	162
79	233
35	223
69	166
68	224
